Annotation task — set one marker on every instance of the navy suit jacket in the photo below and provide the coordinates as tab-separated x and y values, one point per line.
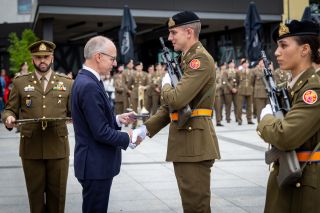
97	153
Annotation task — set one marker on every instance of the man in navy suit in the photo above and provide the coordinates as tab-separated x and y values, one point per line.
97	155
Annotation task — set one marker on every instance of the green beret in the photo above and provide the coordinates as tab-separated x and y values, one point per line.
42	47
295	28
182	18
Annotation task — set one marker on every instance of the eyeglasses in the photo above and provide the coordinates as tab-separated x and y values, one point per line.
113	58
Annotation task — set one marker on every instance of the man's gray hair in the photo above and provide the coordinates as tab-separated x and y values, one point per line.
195	26
94	45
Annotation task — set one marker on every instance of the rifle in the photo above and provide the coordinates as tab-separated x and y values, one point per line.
289	167
175	74
44	121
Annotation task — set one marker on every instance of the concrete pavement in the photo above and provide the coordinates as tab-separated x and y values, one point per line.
147	183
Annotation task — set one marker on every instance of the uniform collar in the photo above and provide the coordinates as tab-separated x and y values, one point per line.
300	80
46	75
193	48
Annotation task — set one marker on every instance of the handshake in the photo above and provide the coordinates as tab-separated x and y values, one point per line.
137	136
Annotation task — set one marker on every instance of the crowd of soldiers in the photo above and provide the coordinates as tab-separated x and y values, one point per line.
243	87
239	89
136	89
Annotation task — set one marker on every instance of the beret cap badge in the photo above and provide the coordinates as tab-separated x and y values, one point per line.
171	22
283	29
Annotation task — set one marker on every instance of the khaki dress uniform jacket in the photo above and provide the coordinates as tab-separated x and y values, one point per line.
120	93
298	130
218	99
245	92
194	146
230	82
281	76
44	152
260	95
155	91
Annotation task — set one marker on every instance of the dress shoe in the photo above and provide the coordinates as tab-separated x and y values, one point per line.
240	123
219	124
250	122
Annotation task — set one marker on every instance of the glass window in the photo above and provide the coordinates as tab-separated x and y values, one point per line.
24	6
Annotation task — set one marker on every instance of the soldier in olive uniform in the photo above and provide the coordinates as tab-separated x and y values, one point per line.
218	99
127	75
193	146
139	80
260	95
230	88
281	76
156	89
148	92
245	79
44	147
120	91
299	130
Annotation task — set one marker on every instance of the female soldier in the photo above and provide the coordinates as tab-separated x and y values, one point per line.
298	45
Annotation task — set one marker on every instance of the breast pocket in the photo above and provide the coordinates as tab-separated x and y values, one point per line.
60	98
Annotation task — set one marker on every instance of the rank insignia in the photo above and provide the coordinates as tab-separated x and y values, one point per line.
28	103
60	86
310	97
194	64
29	88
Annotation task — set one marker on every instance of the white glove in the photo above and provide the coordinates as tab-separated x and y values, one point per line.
266	111
166	79
141	132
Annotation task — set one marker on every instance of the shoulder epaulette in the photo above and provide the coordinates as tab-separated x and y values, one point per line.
20	75
62	75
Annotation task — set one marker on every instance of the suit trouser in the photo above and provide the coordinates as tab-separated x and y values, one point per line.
95	194
46	182
260	104
193	180
248	99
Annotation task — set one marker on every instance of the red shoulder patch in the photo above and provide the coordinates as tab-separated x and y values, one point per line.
310	97
194	64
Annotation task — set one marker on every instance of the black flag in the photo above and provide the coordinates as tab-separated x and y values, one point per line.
126	35
253	27
307	14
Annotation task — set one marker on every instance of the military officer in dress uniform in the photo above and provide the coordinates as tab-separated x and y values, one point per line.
127	75
281	76
156	89
230	89
44	147
148	92
299	130
139	81
260	95
218	100
245	79
192	147
120	90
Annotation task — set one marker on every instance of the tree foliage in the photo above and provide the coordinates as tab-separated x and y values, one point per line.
18	49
